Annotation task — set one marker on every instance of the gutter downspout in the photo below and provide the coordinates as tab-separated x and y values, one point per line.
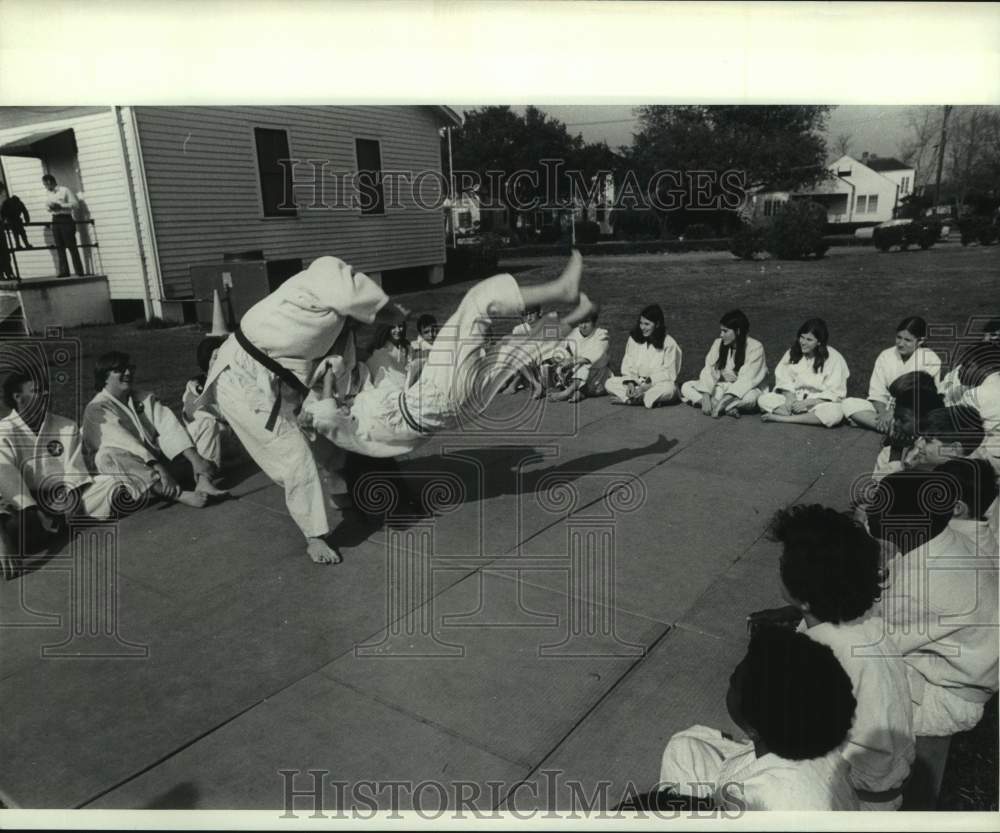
147	302
141	170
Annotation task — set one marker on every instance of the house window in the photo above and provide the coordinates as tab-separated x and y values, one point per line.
370	194
465	219
904	187
873	203
274	167
860	205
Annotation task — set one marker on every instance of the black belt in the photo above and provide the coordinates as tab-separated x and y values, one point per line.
283	373
408	417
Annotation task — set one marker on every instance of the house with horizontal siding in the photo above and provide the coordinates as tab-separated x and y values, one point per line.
168	192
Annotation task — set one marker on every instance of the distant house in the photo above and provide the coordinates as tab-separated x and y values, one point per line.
165	189
859	192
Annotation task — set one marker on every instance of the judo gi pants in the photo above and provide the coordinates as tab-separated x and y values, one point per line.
692	395
828	413
659	394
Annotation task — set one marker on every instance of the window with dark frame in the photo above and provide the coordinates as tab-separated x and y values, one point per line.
276	195
370	194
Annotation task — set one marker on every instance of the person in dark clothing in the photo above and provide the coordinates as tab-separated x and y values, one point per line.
14	214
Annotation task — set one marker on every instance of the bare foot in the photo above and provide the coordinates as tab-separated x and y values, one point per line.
207	487
321	552
584	309
568	283
734	413
537	393
195	499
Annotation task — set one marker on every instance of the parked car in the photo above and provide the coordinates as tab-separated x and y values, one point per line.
924	233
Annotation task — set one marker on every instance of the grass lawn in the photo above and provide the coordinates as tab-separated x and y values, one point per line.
861	293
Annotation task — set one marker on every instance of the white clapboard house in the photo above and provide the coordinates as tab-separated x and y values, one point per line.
176	201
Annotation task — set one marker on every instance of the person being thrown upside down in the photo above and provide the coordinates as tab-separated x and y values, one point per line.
394	417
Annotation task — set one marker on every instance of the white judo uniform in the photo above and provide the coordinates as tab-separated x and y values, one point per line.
880	745
746	387
644	361
986	399
941	608
389	419
828	384
889	366
35	468
205	426
591	354
699	761
120	439
294	326
388	359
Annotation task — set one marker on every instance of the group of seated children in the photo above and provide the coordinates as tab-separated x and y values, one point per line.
890	634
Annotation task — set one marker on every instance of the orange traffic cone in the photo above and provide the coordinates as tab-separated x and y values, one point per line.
219	327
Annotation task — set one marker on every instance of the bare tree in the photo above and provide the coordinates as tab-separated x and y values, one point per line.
918	149
842	144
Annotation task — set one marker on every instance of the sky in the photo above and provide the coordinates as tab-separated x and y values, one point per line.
876	129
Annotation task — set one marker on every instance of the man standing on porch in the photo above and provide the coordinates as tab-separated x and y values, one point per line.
61	204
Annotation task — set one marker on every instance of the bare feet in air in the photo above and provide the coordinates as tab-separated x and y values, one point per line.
569	280
196	499
321	552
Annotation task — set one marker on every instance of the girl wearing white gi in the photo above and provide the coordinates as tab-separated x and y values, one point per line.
875	413
130	434
810	381
260	378
387	420
830	573
650	366
734	370
392	352
794	702
582	362
206	427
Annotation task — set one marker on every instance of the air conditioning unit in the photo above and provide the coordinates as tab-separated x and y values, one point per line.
241	280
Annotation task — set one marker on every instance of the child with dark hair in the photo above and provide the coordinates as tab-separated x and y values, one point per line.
581	362
793	700
205	425
830	571
810	381
976	506
978	386
914	395
940	603
427	327
908	355
734	370
650	366
392	353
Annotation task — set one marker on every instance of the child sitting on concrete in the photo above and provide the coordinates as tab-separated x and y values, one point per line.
940	601
581	363
793	700
207	428
830	572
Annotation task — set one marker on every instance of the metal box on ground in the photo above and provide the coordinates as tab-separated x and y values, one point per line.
241	284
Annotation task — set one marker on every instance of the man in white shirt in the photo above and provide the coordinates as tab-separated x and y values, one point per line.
61	203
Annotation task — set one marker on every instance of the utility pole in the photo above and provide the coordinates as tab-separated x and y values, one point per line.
944	137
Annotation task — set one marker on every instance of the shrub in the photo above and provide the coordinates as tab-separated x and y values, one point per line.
587	232
550	234
797	231
698	231
636	224
747	242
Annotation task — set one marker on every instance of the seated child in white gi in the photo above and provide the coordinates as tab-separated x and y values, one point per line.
389	419
952	388
427	327
940	602
132	435
650	365
581	362
909	354
810	381
793	700
534	354
392	352
734	370
978	386
976	503
914	395
206	426
830	571
43	478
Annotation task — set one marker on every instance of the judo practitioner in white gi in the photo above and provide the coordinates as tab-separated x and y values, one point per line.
43	477
207	428
581	362
388	420
261	375
734	370
130	434
909	354
650	366
810	381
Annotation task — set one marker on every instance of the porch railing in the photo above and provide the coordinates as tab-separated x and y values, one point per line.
33	267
